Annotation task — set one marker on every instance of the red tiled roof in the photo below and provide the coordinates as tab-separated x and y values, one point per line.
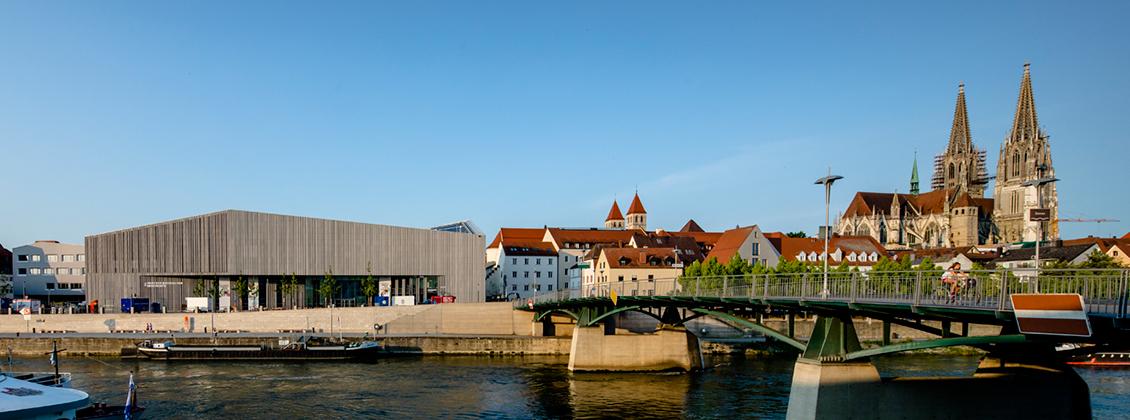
705	238
790	247
1104	243
933	202
1127	236
691	226
527	234
729	243
638	257
591	236
636	206
614	213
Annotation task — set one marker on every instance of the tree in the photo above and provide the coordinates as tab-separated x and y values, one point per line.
798	234
329	287
289	287
239	288
369	284
1098	259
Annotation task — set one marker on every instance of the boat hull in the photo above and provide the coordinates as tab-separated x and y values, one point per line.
253	353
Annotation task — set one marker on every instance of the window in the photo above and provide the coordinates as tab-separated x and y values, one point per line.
21	258
65	271
35	258
82	257
48	271
537	274
651	292
76	286
52	258
527	261
68	258
621	278
36	271
514	288
550	273
756	249
50	286
537	261
549	288
651	277
82	271
634	278
514	274
526	274
21	272
550	260
526	288
514	261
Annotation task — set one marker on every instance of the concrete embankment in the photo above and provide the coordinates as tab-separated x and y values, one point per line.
124	344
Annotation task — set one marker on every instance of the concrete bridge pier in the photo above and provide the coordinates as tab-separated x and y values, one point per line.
669	348
826	386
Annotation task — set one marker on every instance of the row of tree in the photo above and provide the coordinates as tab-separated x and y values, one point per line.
328	288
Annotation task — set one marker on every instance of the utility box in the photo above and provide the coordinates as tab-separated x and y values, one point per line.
381	300
404	300
136	304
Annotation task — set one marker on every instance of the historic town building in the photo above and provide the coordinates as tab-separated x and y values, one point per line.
1025	156
955	213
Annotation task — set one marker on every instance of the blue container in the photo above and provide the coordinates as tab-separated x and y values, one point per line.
136	304
155	307
381	300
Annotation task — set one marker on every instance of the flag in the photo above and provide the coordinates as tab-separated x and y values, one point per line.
612	294
129	397
53	361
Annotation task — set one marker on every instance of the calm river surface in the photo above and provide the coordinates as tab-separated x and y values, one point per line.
487	387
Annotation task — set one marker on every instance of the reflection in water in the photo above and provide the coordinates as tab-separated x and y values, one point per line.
487	387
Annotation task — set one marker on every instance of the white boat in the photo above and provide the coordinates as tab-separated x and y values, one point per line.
29	400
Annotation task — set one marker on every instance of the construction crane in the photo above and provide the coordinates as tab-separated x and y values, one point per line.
1076	220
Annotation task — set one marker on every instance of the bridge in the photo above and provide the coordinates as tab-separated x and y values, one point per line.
833	357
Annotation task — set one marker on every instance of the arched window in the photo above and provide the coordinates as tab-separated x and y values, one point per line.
1016	164
951	171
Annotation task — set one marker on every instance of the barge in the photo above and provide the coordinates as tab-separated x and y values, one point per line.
303	349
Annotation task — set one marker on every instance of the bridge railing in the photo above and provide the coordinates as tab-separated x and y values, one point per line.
1105	291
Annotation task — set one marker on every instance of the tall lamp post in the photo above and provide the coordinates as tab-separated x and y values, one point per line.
1039	183
827	182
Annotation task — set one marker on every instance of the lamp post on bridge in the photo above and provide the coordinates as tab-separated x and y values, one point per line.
827	182
1039	183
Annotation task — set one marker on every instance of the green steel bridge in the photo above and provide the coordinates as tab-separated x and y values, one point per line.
902	298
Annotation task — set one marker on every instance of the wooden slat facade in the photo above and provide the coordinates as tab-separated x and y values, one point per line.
232	243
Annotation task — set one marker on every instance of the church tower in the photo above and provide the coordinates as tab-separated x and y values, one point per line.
637	216
961	167
615	220
914	176
1025	156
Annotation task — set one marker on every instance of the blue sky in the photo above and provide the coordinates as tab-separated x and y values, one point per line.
115	114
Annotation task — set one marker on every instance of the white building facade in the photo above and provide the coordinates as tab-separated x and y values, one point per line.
49	271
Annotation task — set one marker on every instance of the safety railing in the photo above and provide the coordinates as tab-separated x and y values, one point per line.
1105	291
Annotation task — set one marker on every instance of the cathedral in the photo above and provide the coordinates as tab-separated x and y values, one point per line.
955	213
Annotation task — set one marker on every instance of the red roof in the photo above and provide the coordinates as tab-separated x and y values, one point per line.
590	236
614	214
730	243
705	238
1127	236
691	226
637	206
933	202
790	247
525	234
640	257
525	248
1103	243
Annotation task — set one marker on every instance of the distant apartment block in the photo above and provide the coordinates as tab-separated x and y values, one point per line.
49	271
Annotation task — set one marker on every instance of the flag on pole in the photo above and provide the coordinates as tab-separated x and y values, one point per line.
612	294
53	361
129	397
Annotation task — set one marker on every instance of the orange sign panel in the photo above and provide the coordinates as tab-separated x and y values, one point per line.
1051	314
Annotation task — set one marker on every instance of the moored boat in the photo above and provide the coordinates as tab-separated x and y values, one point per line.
23	399
302	349
1103	359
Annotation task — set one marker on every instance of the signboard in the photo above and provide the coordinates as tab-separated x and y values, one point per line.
26	312
1051	314
1039	215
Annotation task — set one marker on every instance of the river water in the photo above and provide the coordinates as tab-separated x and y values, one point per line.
488	387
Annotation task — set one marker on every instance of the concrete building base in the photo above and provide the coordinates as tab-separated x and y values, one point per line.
666	349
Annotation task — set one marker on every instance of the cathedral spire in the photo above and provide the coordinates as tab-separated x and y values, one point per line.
960	139
1025	126
914	175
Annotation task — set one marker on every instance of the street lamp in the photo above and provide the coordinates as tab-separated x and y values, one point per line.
1039	204
827	182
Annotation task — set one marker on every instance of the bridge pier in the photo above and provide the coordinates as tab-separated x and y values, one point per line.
824	385
669	348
